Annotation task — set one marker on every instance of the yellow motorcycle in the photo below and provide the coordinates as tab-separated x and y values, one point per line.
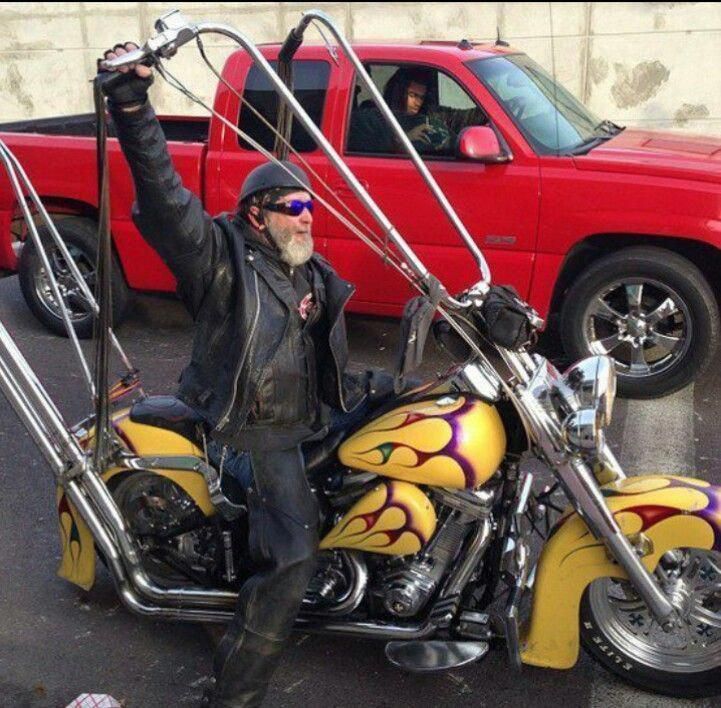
429	499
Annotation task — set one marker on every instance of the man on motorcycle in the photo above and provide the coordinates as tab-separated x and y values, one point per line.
267	365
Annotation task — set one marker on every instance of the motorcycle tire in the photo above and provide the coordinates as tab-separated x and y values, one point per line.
152	505
615	308
618	631
80	236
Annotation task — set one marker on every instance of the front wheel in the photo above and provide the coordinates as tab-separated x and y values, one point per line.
619	631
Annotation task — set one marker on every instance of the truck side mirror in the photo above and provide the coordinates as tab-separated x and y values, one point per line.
480	144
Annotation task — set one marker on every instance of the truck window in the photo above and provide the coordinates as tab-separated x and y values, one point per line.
547	114
430	106
310	85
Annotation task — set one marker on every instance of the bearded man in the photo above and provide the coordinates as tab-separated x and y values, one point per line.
268	363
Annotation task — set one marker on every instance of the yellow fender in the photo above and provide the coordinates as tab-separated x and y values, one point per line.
672	512
149	441
77	562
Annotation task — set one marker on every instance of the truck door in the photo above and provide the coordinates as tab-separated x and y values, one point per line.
498	203
227	168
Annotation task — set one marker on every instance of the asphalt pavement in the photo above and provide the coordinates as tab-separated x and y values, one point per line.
57	642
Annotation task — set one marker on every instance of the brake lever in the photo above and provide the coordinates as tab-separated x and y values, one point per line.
136	56
173	32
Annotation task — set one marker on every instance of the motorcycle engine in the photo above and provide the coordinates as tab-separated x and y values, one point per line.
404	587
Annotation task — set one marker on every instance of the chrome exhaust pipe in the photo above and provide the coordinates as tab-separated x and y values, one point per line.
370	630
134	587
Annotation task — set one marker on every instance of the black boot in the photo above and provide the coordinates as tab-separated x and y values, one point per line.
243	679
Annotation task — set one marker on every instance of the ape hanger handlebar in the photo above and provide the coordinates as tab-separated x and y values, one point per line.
174	31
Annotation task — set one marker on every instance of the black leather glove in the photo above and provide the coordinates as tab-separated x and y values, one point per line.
124	89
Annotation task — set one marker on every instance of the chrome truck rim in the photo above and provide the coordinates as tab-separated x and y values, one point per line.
643	324
694	587
78	307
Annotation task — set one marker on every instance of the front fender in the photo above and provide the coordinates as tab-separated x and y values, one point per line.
672	512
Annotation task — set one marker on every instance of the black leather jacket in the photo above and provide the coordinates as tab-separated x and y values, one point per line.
237	295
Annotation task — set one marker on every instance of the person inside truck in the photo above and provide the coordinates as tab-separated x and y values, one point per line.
267	369
414	95
409	95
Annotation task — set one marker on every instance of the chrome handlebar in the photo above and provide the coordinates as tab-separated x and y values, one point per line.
174	31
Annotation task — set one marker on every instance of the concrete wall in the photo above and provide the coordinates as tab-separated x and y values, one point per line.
652	64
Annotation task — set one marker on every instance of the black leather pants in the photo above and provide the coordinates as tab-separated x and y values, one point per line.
283	541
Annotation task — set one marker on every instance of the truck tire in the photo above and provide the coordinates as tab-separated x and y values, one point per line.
80	236
649	309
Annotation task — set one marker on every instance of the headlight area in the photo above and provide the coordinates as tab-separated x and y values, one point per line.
589	390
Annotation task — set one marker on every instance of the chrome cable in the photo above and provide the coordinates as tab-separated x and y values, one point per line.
298	155
399	265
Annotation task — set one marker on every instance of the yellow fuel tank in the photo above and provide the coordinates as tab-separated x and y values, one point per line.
395	518
453	440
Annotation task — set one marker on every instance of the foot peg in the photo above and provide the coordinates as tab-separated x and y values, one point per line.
421	656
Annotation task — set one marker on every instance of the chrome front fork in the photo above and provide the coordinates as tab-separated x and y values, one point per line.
591	506
583	489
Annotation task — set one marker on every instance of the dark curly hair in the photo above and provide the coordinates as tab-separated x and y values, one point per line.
394	93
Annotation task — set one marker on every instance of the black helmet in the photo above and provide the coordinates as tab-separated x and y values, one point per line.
273	176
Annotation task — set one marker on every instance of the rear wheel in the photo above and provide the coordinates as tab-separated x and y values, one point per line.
80	237
619	631
178	547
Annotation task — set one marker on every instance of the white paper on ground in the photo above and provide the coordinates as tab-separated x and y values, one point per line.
94	700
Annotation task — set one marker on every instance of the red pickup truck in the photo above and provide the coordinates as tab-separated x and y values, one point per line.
615	231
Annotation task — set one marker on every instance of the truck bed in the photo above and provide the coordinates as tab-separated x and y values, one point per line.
59	155
176	129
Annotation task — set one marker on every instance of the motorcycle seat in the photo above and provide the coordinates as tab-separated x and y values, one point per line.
316	454
170	413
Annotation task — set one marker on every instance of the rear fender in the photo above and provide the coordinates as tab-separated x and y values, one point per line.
149	441
671	512
77	562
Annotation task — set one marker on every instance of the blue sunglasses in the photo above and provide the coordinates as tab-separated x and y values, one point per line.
292	208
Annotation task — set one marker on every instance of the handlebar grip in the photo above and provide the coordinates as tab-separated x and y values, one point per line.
137	56
290	46
108	80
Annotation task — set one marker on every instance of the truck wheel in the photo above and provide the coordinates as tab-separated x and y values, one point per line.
650	310
80	236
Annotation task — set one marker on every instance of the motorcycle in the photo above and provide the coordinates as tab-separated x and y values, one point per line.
428	498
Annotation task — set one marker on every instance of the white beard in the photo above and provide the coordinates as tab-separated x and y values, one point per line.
293	251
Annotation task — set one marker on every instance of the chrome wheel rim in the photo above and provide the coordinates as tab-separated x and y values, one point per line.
77	304
643	324
694	588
